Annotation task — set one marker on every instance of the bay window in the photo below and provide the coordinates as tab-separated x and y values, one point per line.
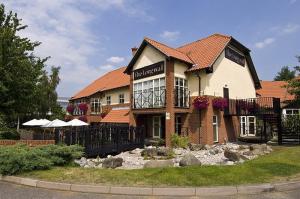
149	94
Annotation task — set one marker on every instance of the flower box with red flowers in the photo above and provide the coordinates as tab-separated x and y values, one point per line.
83	118
220	103
70	108
83	107
201	102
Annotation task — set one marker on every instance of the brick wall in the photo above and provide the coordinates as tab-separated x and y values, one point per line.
227	126
27	142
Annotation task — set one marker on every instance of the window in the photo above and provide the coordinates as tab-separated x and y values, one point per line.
156	126
215	128
121	98
248	125
291	112
149	94
178	124
181	95
95	106
77	110
108	100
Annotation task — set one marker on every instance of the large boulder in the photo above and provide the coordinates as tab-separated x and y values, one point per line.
232	155
159	163
165	151
261	147
112	162
149	152
196	147
189	160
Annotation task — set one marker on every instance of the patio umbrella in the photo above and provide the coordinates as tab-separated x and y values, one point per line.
43	122
33	122
77	122
55	123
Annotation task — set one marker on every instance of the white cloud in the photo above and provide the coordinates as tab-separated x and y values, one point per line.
265	42
64	28
293	1
170	35
290	28
115	59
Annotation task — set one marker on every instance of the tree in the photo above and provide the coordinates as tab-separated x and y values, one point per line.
294	84
285	74
21	71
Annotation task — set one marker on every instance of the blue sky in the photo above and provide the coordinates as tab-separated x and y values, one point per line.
90	37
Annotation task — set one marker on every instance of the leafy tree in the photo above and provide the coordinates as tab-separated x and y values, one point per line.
294	84
22	72
285	74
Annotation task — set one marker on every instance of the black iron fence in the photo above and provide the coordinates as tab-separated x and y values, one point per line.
103	139
290	130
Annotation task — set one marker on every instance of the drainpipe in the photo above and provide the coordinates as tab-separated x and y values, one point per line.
199	94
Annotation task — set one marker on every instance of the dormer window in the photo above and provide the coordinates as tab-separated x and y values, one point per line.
235	56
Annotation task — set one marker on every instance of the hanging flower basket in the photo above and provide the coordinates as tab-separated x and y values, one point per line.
201	102
83	118
83	107
70	108
103	114
220	103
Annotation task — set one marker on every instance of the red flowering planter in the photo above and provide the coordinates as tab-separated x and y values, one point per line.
201	102
83	118
103	114
70	108
220	103
83	107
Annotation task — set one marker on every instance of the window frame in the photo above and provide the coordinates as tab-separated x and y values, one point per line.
121	98
215	123
108	100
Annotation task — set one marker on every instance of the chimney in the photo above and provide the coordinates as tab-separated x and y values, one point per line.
133	50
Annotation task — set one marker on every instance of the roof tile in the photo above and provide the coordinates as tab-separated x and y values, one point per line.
275	89
117	116
111	80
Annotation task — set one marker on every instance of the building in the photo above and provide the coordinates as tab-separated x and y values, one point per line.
105	97
164	82
279	89
205	90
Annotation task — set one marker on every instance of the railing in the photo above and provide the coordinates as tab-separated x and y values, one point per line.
149	99
157	99
253	106
182	98
104	138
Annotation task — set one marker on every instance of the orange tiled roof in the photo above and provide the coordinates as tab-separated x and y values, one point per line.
204	52
275	89
111	80
117	116
170	52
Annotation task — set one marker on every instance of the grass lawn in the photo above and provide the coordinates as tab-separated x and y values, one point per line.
283	163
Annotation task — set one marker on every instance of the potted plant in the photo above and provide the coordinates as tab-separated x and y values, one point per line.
220	103
201	102
70	108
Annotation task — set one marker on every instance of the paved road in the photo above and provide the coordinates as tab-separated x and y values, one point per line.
13	191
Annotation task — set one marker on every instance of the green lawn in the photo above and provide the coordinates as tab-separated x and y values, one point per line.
283	163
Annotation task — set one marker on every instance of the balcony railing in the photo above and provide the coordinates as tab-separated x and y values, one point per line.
157	99
253	106
149	99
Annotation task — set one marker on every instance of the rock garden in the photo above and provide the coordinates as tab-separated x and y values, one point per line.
194	154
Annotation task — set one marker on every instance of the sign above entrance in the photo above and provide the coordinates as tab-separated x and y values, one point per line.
148	71
234	56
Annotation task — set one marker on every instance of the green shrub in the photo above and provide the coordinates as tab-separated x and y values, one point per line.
9	134
21	158
179	141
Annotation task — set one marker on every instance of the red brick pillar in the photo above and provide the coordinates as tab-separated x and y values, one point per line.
132	121
170	122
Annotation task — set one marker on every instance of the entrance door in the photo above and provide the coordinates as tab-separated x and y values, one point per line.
156	126
248	125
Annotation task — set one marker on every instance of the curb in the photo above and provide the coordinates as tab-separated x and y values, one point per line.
156	191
